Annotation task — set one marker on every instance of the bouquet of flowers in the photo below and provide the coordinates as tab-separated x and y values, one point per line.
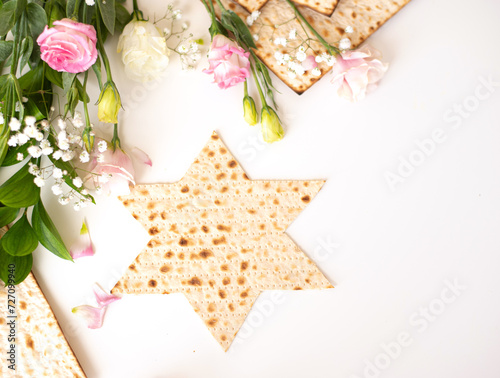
49	49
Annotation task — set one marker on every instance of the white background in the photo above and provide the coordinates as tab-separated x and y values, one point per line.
391	250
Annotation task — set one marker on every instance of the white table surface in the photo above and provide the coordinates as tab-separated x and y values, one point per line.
390	253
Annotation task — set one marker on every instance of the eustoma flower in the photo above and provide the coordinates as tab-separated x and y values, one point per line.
109	104
272	131
358	72
229	62
144	51
68	46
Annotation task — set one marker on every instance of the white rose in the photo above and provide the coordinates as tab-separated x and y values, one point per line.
145	52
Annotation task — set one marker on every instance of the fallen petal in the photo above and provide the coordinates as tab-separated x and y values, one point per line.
83	245
92	315
142	156
103	298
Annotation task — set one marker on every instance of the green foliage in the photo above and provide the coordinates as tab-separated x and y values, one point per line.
8	16
108	13
123	17
20	190
11	157
47	233
5	50
38	90
232	22
20	239
7	215
15	267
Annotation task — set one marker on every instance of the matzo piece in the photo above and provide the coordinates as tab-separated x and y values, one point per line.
365	17
42	349
251	5
219	238
325	7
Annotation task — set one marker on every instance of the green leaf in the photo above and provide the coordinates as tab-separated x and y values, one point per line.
20	190
38	89
20	239
47	233
57	12
108	13
11	157
70	8
233	22
97	70
7	15
37	19
5	49
84	97
14	269
54	76
26	50
4	136
32	109
3	85
217	28
68	79
21	6
123	17
72	100
7	215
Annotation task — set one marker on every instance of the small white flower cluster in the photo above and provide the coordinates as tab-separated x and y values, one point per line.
296	64
177	14
68	140
253	17
187	48
300	54
327	58
21	137
189	52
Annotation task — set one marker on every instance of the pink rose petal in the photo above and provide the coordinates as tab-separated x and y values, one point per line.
83	245
103	298
92	315
142	156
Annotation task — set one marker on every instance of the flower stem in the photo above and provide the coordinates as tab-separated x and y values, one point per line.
219	4
331	49
262	97
88	128
102	50
137	13
115	142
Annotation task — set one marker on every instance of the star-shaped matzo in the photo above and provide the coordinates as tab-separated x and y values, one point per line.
218	237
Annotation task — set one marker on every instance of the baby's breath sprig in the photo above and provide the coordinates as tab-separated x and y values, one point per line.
331	49
302	55
186	47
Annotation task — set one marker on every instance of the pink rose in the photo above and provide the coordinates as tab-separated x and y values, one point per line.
113	174
357	72
68	46
228	62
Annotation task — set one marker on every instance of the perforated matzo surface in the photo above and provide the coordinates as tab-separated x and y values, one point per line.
218	237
